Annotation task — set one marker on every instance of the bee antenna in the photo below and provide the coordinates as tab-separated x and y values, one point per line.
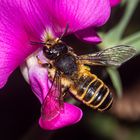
37	43
65	31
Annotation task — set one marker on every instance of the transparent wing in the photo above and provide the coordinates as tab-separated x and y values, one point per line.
53	103
114	56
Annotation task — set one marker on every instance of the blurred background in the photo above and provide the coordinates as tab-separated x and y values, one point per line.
20	109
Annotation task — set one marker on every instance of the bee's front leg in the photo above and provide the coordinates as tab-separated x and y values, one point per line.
65	91
48	65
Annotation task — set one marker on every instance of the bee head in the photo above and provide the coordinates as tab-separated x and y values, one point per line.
55	50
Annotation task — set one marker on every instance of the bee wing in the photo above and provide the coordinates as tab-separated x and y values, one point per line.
53	103
114	56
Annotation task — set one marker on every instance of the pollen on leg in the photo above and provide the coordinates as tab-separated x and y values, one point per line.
39	61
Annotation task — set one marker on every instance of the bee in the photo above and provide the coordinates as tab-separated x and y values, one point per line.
69	72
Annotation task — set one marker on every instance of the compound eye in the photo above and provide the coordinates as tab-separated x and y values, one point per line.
49	53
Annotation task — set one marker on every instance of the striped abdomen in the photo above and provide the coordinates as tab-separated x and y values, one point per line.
92	92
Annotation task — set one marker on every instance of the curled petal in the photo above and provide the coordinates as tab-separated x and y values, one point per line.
88	35
114	2
38	79
36	76
69	116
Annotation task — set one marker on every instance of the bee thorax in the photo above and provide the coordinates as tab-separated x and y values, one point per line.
66	64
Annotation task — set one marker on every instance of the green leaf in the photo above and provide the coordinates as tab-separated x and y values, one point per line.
136	45
116	80
133	40
116	33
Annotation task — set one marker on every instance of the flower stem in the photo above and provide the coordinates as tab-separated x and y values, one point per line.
118	31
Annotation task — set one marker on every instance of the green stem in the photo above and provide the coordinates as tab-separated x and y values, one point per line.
116	80
118	31
132	38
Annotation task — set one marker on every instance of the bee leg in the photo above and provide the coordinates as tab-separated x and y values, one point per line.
48	65
65	91
70	49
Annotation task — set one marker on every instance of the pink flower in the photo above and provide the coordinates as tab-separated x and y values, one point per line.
34	20
114	2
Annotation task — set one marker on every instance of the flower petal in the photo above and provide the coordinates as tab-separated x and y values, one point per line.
50	118
114	2
25	21
78	14
36	20
70	115
38	77
88	35
15	35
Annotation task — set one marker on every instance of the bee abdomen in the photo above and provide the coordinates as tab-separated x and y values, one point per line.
94	93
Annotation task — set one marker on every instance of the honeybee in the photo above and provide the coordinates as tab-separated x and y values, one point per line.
68	72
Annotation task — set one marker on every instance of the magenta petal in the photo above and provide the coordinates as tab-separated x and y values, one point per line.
69	116
36	20
13	50
78	14
88	35
14	38
38	77
22	21
114	2
40	84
